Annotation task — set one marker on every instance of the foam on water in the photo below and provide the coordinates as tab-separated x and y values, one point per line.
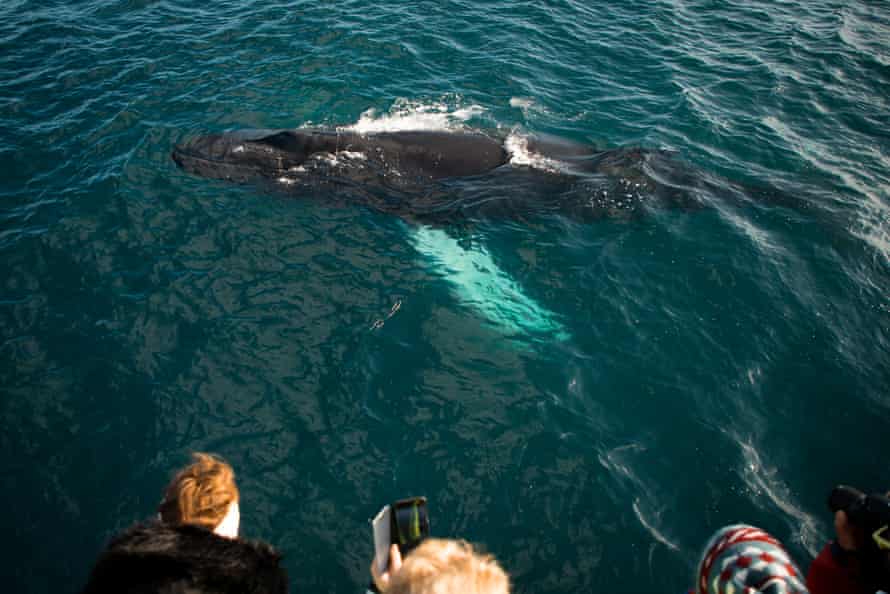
764	480
646	507
408	115
650	526
528	106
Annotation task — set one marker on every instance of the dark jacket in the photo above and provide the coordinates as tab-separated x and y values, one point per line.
156	558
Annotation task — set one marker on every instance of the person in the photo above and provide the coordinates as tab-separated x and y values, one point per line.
743	558
193	544
441	566
857	560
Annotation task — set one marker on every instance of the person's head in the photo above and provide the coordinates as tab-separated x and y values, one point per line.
746	559
203	494
862	524
440	566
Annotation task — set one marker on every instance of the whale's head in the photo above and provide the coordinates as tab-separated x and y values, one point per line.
246	155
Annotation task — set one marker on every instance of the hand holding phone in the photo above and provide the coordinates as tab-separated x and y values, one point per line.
383	578
398	529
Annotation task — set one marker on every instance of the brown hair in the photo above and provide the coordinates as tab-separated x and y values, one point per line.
441	566
200	493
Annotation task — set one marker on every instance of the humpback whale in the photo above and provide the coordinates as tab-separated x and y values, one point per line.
434	179
423	173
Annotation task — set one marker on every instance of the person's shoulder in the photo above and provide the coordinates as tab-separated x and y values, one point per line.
832	573
162	554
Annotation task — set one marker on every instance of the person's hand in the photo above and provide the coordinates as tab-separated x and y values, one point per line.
382	580
846	533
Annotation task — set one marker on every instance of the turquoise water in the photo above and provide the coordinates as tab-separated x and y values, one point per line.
722	364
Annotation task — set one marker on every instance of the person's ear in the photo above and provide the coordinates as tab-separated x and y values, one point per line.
228	528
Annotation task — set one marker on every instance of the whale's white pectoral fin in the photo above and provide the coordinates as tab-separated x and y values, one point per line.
483	285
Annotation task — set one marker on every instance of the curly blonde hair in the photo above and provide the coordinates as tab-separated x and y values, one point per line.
440	566
200	493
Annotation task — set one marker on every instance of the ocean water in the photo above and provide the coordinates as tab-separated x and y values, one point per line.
689	367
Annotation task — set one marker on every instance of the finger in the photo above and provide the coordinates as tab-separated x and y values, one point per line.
381	580
395	559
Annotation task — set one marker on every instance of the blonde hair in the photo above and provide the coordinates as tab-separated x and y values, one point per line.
200	493
441	566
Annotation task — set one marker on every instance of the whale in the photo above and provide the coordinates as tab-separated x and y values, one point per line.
444	176
436	180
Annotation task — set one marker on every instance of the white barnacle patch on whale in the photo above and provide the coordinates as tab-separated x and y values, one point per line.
335	159
355	155
342	156
238	149
520	155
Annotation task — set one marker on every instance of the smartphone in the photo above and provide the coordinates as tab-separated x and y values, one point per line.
382	537
405	523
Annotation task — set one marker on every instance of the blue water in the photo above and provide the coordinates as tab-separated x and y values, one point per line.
727	363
